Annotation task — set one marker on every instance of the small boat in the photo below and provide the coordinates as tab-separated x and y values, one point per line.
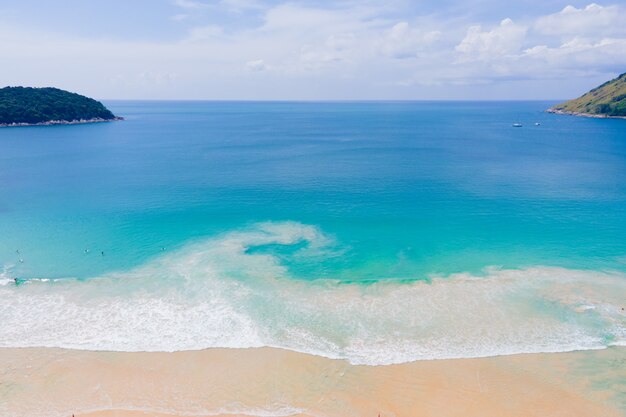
537	124
517	125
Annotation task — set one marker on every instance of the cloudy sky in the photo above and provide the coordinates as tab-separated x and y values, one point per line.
313	50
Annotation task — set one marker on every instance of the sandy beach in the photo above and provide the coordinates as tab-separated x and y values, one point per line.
274	382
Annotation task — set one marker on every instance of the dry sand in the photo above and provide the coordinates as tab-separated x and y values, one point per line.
57	382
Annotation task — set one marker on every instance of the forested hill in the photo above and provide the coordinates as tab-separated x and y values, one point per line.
608	100
27	105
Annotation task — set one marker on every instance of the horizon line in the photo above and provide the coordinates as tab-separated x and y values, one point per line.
323	100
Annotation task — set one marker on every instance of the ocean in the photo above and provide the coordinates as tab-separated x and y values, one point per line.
377	232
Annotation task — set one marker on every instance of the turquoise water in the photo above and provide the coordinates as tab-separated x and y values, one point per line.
237	215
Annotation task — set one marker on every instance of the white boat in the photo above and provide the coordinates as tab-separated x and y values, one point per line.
517	125
537	124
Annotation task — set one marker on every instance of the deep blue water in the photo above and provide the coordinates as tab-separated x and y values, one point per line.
405	188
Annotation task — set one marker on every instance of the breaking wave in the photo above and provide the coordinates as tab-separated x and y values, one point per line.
222	293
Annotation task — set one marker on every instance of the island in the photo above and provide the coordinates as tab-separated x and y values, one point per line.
607	100
28	106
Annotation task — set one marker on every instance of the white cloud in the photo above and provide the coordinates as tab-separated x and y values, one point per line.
502	41
592	21
256	65
331	51
341	41
404	41
580	54
586	40
299	50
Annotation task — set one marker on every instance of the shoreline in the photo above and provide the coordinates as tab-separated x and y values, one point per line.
322	355
274	382
591	302
62	122
580	114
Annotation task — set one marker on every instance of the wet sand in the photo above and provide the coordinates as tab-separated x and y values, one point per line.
267	382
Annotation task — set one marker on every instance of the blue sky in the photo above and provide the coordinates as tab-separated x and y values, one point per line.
312	50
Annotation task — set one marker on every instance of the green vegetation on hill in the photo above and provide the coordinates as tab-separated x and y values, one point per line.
609	99
40	105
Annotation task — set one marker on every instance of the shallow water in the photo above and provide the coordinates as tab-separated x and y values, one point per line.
378	232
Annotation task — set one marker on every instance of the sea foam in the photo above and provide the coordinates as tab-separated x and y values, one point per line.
219	293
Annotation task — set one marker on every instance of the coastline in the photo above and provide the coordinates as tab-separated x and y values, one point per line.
573	113
62	122
274	382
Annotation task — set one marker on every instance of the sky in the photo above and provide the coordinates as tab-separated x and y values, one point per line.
313	50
